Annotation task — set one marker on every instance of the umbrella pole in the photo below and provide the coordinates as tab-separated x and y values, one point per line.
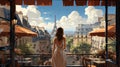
118	32
12	32
106	29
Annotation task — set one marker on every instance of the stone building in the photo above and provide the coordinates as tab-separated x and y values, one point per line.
4	13
4	16
82	31
97	41
111	20
42	42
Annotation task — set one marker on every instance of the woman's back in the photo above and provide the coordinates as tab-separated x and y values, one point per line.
59	44
58	59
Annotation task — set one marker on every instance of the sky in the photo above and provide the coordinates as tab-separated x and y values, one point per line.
67	17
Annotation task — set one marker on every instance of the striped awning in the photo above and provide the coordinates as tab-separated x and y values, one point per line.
88	2
65	2
28	2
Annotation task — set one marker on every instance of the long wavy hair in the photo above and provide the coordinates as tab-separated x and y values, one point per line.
59	33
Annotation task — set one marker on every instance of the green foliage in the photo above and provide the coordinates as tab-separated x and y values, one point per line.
27	48
81	48
112	46
69	42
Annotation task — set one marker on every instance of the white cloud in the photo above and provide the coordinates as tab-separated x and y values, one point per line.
19	8
47	18
49	26
45	13
67	22
74	18
93	14
34	15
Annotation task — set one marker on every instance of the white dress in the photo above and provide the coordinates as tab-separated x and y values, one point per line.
59	57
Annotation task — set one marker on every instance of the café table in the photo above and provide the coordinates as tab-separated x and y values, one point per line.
99	63
94	61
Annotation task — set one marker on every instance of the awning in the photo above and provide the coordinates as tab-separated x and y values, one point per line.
65	2
88	2
101	31
28	2
19	31
49	3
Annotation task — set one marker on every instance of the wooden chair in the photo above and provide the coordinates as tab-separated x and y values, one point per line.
87	63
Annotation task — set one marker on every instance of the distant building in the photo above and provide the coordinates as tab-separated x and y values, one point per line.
82	30
42	42
22	20
111	20
4	13
81	33
25	22
98	42
19	17
4	16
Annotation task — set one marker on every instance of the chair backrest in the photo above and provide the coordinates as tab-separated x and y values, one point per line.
110	64
84	62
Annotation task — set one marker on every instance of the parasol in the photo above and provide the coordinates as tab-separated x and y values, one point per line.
19	31
101	31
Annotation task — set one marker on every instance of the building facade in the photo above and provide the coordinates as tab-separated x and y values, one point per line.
111	20
40	43
82	32
97	41
4	13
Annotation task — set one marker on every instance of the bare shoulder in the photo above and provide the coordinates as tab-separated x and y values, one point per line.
64	38
55	39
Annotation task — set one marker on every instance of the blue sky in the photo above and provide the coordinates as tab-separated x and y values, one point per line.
59	10
67	17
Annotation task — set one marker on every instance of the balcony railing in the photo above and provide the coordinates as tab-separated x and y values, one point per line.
44	60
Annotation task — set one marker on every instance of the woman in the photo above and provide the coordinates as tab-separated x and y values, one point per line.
59	44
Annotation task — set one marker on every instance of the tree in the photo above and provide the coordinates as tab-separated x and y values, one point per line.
69	42
112	46
81	48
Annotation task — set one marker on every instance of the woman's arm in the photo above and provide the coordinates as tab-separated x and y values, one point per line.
64	47
53	46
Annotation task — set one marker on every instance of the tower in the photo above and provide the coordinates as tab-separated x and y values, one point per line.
54	28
